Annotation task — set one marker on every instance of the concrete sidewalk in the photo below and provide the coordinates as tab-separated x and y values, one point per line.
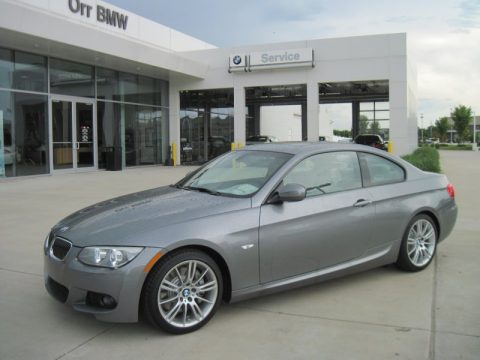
379	314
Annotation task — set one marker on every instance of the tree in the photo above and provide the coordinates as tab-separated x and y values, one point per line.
343	133
441	125
461	117
375	127
362	124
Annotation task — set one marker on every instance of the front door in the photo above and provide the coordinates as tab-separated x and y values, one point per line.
332	225
73	129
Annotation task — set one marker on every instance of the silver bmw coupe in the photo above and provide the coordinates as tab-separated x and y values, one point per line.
262	219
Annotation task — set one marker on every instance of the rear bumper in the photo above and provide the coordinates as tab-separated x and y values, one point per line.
448	217
73	283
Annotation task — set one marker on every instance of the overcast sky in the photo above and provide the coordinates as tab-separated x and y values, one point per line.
443	35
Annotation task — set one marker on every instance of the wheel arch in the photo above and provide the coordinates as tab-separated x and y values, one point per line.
433	216
219	260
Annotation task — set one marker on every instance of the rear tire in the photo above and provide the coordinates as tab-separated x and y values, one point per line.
183	291
419	244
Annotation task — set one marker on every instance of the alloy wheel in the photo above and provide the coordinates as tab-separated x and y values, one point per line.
187	293
421	242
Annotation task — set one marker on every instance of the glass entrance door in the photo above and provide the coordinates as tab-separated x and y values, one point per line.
73	128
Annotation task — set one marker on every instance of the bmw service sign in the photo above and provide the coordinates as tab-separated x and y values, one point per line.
272	60
282	58
237	63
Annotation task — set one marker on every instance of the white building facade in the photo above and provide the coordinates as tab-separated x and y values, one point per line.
85	85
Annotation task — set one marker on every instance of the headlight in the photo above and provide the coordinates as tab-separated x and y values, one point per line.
48	242
109	257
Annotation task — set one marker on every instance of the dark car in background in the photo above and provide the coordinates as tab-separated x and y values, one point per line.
373	140
261	139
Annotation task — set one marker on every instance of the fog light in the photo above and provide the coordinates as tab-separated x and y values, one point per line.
108	302
98	300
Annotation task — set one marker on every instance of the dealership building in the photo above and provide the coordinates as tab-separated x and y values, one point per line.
85	85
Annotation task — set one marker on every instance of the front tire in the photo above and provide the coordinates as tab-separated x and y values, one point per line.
183	291
419	244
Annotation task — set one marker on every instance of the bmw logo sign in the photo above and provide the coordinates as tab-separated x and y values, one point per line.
237	59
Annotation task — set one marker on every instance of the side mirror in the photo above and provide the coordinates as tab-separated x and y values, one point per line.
289	192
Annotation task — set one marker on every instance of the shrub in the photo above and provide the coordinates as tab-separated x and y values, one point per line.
425	158
456	147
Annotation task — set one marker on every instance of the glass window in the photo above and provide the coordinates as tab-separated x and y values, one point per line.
118	86
108	129
30	72
327	173
375	118
7	151
380	171
25	133
70	78
240	173
366	106
6	68
128	87
382	105
147	94
206	124
143	135
23	71
108	84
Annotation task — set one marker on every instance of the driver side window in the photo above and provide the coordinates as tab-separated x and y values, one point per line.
327	173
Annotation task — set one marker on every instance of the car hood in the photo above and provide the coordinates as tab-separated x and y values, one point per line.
129	219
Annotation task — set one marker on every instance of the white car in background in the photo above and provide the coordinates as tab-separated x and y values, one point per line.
9	155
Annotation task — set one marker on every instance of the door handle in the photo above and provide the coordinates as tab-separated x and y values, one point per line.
362	203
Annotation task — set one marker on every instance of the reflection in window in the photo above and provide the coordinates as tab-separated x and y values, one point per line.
327	173
143	135
6	68
70	78
206	124
108	129
125	87
380	171
375	118
23	71
25	133
30	72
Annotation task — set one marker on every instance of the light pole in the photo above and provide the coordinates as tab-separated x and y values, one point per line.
421	123
474	145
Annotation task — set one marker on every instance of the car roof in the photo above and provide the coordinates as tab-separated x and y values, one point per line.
302	147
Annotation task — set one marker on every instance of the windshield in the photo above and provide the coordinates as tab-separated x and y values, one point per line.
239	173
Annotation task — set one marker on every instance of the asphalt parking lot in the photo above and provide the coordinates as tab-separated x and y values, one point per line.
379	314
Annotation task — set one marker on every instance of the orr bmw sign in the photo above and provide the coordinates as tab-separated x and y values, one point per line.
272	60
102	14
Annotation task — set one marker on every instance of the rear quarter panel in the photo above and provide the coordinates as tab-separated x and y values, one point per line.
396	204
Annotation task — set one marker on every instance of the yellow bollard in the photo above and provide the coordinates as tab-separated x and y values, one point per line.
390	147
239	146
232	147
174	154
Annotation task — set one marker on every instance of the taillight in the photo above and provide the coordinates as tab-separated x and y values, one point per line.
451	191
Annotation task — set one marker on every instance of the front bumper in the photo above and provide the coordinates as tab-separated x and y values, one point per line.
72	282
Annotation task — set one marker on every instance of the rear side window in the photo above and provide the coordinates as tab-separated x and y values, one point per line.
380	171
327	173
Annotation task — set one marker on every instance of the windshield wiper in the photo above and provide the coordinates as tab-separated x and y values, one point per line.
202	189
177	186
199	189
